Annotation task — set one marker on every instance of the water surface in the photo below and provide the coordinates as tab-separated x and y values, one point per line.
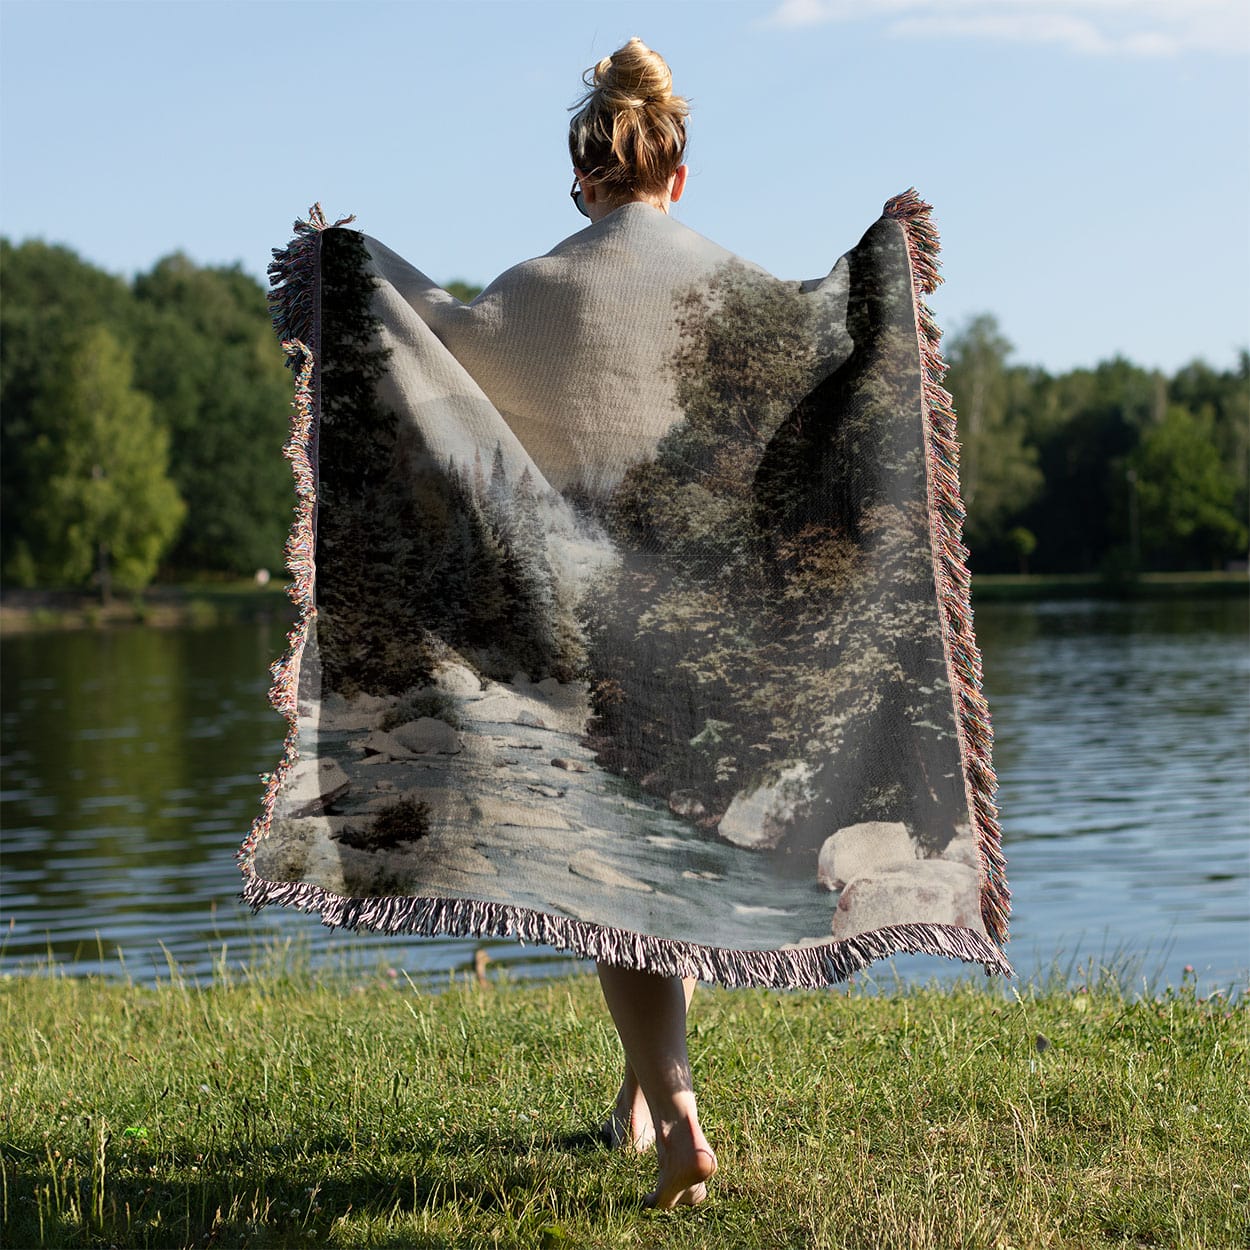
131	761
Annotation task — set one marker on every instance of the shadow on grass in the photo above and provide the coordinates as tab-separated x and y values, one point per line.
261	1197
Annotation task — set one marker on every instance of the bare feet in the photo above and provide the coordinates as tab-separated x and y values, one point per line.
686	1164
629	1125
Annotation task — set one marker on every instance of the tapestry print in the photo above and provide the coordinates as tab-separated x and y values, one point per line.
701	695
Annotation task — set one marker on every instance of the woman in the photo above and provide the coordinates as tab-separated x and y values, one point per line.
726	499
627	142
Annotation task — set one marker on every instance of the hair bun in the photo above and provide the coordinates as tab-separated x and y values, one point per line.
634	76
630	129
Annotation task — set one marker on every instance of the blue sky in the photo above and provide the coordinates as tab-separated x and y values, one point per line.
1088	160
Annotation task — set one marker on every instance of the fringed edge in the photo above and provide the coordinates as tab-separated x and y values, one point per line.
293	277
950	562
804	967
294	303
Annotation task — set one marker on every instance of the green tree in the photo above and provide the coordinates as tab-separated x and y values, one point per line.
51	297
1186	494
1023	542
998	471
205	352
1223	397
464	291
1086	423
105	502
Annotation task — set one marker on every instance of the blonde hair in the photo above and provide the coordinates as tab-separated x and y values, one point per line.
629	133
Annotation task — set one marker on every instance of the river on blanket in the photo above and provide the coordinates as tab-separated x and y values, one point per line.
132	758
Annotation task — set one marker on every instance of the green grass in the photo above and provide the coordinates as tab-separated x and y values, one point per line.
282	1107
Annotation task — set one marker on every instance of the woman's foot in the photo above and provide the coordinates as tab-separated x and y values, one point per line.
686	1165
629	1126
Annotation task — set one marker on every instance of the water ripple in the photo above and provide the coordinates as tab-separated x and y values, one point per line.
1120	743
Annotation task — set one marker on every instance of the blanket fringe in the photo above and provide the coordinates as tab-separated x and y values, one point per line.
950	562
800	967
293	301
293	277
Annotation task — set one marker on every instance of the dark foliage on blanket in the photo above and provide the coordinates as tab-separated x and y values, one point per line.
770	563
414	559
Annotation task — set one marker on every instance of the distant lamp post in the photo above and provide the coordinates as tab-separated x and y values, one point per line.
1134	530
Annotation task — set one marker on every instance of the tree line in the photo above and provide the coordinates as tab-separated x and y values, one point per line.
1115	469
142	424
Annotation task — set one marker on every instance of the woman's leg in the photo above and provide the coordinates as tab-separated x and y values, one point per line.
650	1016
629	1123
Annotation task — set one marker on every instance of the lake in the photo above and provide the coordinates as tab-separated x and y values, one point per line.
131	761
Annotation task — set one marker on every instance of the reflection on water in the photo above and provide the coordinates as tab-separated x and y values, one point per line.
131	762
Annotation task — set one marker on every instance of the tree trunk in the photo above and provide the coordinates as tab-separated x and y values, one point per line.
106	581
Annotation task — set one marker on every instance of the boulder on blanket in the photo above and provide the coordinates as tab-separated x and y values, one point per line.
861	849
935	892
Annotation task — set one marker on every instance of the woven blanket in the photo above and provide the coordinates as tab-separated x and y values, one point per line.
634	618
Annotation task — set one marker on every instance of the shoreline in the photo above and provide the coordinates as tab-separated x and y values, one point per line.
174	604
212	603
291	963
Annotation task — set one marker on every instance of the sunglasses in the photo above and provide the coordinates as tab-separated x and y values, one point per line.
576	196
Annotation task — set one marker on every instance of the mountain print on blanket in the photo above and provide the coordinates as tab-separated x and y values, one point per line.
704	699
